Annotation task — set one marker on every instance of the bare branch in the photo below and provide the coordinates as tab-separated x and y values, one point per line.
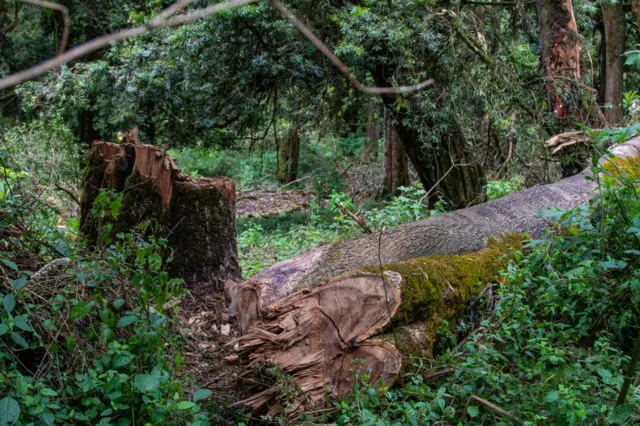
65	18
338	63
100	42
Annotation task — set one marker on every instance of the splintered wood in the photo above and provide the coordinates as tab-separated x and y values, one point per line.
319	337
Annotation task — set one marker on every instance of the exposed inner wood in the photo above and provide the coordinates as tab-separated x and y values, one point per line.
316	335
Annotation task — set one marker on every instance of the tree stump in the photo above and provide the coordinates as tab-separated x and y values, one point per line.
197	216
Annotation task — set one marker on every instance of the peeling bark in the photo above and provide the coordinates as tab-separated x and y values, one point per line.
560	54
196	215
314	334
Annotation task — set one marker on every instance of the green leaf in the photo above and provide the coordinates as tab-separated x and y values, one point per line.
48	392
201	394
473	411
117	304
551	396
605	374
19	340
122	359
22	322
9	411
48	418
80	310
19	283
127	320
9	302
3	329
10	264
146	382
185	405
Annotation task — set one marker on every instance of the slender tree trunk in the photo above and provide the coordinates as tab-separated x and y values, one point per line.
370	151
396	163
289	155
86	130
560	53
613	62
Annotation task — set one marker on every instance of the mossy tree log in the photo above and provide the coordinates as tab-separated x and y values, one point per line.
314	334
461	231
381	314
197	216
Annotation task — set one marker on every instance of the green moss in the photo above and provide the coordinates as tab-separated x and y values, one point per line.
626	166
142	201
439	287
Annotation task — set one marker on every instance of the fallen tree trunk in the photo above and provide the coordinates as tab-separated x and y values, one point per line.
314	335
461	231
376	314
197	216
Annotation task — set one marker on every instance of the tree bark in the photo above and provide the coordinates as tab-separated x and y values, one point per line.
560	54
396	164
289	155
611	87
197	216
461	231
370	148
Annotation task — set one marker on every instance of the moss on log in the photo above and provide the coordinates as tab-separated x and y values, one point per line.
197	216
310	332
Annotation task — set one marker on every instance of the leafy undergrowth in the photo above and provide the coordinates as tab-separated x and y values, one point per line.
87	338
550	343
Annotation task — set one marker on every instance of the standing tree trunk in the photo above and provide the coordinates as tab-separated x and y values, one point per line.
396	163
612	62
289	155
197	216
86	129
560	54
446	170
370	149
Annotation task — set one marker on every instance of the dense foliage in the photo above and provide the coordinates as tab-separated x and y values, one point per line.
93	333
